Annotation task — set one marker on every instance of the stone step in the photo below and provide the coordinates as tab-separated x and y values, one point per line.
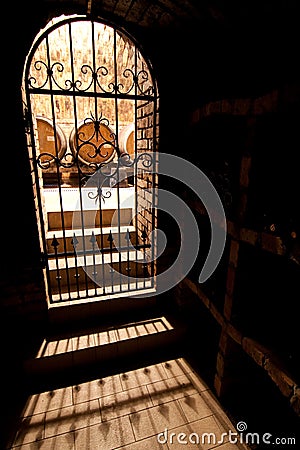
122	306
100	346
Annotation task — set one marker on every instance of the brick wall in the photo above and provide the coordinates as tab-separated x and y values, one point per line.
147	141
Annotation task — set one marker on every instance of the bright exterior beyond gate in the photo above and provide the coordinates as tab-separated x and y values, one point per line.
91	114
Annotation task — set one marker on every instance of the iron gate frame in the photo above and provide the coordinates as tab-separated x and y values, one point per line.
134	93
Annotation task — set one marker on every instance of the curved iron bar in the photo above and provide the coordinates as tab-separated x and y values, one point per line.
126	74
100	193
78	83
103	71
145	77
59	67
97	122
96	149
46	164
38	65
69	162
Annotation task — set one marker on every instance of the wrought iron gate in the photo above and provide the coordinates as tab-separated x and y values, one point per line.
91	114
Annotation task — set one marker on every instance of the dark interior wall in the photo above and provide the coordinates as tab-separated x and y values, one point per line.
195	68
245	59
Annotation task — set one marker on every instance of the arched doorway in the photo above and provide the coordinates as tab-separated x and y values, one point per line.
91	109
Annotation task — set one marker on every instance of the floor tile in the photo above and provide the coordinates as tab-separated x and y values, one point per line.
143	376
163	406
176	367
61	442
105	436
194	407
96	389
47	401
170	389
32	428
72	417
154	420
210	432
125	402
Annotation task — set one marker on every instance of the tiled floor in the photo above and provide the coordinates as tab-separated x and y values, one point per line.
144	409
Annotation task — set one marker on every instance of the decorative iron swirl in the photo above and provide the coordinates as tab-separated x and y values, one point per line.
49	73
39	66
93	142
78	83
59	68
85	70
125	161
103	71
46	159
67	161
102	178
100	194
137	81
93	139
144	76
96	149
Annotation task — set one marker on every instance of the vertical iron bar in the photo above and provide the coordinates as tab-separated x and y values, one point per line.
135	177
39	195
144	237
128	269
154	191
75	243
99	185
118	152
111	270
55	244
145	267
58	178
94	273
101	238
77	164
94	72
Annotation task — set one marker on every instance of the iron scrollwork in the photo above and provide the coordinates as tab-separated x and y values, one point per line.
47	75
